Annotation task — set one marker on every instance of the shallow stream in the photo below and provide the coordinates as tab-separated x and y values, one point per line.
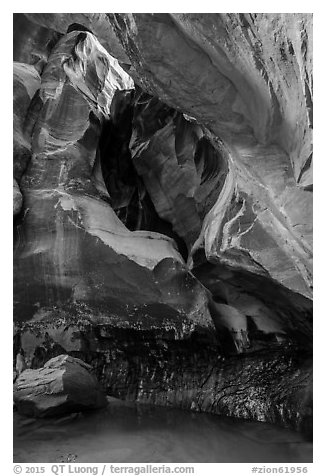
126	432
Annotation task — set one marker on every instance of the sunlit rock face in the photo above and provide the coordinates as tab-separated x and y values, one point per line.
167	218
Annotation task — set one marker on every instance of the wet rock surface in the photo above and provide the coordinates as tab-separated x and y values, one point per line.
63	385
173	367
166	226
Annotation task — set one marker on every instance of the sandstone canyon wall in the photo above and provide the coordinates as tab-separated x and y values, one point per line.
163	205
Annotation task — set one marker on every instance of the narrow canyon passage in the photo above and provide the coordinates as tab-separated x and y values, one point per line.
163	213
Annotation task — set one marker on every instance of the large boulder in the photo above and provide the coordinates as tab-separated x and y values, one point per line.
65	384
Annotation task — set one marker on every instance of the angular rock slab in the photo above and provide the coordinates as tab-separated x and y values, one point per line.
63	385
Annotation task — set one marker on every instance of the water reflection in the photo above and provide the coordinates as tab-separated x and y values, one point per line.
125	432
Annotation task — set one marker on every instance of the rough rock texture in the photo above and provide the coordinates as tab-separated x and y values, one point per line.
175	212
161	367
63	385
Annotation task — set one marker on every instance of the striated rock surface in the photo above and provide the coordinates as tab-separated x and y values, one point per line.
166	233
65	384
96	23
72	249
32	43
17	198
241	75
26	82
176	166
183	168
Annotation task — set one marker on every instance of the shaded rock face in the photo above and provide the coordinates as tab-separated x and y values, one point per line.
26	83
94	22
159	367
246	72
79	250
170	218
32	43
63	385
154	159
18	198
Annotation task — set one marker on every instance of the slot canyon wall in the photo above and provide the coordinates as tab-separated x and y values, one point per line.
163	206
